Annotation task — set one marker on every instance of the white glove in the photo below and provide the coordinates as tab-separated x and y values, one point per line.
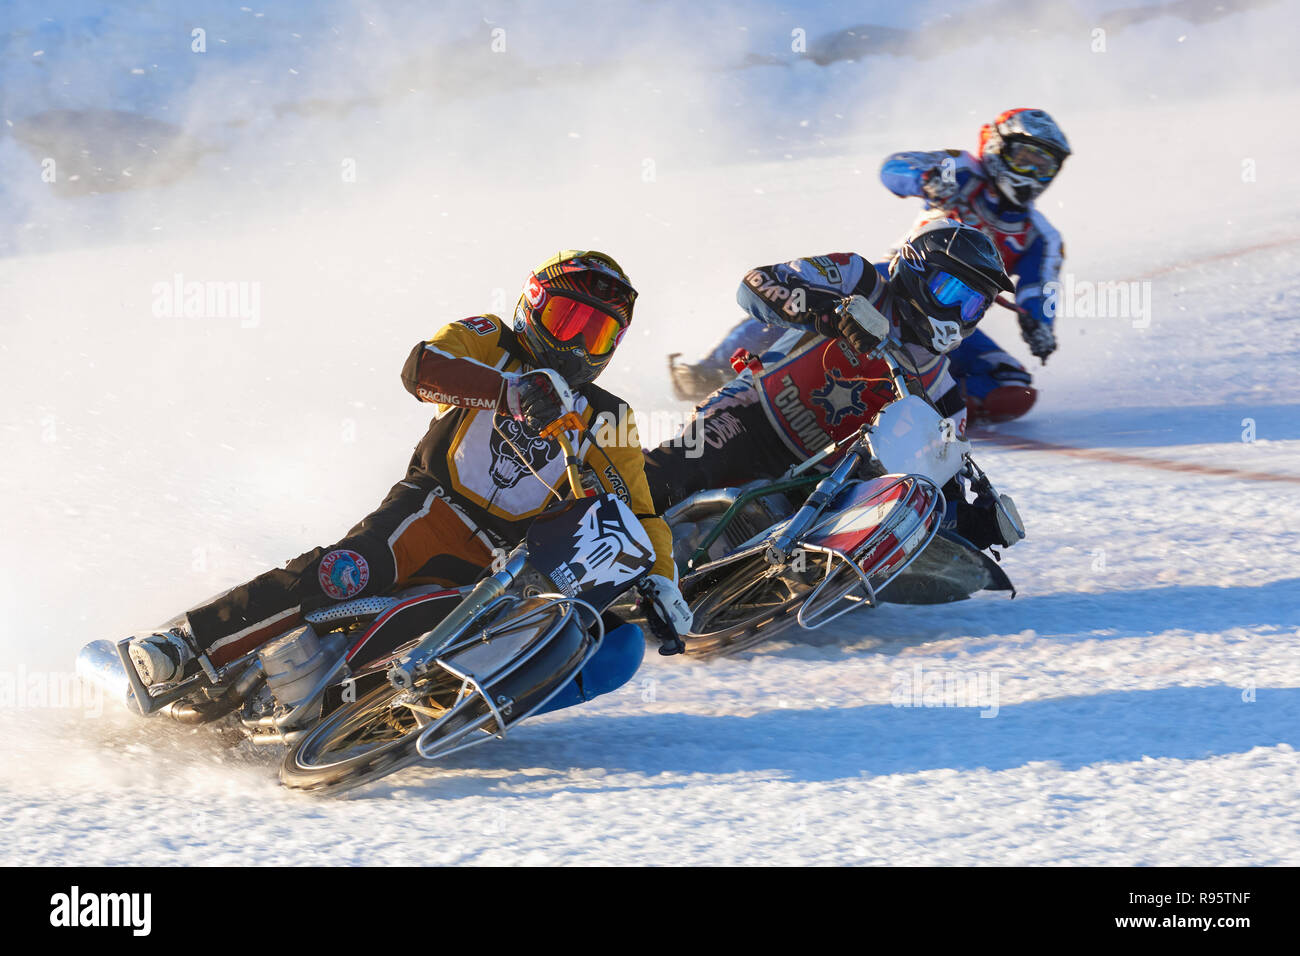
667	602
937	187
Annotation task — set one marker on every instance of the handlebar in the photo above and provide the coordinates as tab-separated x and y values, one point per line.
557	430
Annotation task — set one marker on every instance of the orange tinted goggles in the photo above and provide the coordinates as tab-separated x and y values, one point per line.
567	318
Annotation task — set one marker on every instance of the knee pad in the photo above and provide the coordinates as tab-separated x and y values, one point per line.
1002	404
612	666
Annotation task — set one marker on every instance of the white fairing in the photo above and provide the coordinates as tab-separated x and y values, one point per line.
612	545
910	437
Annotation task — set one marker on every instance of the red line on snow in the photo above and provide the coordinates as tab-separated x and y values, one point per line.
1162	464
1120	458
1217	257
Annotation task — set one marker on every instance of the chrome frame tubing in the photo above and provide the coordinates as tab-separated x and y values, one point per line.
730	558
403	673
272	728
778	551
810	616
474	686
277	722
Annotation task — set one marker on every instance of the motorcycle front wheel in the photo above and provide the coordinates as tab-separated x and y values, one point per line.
360	741
749	602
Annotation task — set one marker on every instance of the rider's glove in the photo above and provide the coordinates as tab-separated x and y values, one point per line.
667	612
858	322
1038	336
1011	527
531	398
937	187
984	524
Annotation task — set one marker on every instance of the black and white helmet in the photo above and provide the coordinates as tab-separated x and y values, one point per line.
944	277
1022	151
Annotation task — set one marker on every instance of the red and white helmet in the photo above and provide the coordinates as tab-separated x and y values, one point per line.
573	312
1022	151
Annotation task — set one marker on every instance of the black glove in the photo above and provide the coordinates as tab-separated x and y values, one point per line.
1038	336
984	525
670	642
531	398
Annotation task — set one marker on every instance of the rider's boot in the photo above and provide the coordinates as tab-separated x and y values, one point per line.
161	657
693	383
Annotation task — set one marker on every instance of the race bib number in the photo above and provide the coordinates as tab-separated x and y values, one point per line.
480	324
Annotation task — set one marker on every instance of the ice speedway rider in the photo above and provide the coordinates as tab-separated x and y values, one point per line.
470	485
815	384
1020	153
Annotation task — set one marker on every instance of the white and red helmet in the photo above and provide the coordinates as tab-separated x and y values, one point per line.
573	312
1022	151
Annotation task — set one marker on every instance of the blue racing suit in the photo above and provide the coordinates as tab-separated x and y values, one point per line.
1031	249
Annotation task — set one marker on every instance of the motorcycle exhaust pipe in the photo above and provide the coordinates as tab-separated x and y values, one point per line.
100	666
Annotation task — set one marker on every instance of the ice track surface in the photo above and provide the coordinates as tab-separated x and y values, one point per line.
1138	702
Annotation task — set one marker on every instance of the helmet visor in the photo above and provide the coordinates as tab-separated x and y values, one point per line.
947	289
604	287
1030	160
567	318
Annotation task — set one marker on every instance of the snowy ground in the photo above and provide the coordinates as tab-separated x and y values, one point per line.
1137	702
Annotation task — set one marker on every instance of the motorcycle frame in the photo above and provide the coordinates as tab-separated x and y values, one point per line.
780	542
738	503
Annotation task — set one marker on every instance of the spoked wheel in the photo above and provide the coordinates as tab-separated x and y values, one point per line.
523	662
364	740
751	602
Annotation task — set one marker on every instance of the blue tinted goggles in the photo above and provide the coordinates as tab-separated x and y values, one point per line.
949	290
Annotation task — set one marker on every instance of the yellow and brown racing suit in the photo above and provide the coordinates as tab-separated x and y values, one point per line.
472	487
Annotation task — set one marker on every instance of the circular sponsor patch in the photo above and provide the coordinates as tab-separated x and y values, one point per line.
343	573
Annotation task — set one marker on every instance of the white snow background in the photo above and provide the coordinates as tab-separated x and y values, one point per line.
1147	680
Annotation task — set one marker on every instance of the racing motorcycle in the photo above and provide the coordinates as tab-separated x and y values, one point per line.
808	548
369	686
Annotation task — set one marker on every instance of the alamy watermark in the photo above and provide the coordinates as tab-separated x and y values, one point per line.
652	428
221	299
918	687
75	908
22	689
1085	299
